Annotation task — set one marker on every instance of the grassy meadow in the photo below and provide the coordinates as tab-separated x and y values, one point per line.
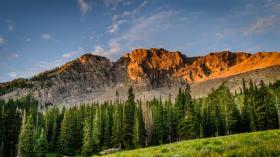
257	144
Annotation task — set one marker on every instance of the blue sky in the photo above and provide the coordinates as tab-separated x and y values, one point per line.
36	35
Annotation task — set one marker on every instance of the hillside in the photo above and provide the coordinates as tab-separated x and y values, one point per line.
152	72
257	144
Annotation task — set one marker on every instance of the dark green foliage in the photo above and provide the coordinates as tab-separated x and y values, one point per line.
188	127
266	113
139	132
97	130
87	147
68	133
128	120
53	119
160	126
27	137
10	124
90	128
41	145
117	128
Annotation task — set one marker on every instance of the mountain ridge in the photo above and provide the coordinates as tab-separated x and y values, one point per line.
90	76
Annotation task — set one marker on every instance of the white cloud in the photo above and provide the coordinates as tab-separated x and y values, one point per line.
84	6
143	28
272	4
73	53
114	3
219	35
114	47
11	25
70	54
98	50
136	10
13	75
261	24
15	55
2	40
115	26
46	36
117	20
42	66
11	28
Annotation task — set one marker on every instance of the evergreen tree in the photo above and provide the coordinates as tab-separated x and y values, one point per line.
27	137
170	120
53	119
10	126
252	106
128	120
266	115
41	146
276	94
160	132
117	125
230	112
87	147
139	132
108	125
97	130
67	134
188	127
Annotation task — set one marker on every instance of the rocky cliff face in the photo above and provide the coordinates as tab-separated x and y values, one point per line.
204	68
154	67
152	72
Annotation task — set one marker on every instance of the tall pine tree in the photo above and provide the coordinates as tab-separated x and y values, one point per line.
26	142
128	120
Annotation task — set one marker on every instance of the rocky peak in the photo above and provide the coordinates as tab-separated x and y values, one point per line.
148	63
85	63
92	59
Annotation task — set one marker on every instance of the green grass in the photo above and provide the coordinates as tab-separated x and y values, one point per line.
257	144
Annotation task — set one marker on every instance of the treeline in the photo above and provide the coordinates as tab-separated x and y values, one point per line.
10	86
90	128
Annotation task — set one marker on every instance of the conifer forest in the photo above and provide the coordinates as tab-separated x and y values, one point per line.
29	129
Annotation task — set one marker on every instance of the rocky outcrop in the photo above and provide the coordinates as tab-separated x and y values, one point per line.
204	68
152	72
154	67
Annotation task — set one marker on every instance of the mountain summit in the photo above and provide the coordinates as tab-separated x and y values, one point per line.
152	72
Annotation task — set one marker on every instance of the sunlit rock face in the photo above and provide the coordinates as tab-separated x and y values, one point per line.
152	72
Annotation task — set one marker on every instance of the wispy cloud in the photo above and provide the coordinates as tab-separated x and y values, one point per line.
117	20
142	29
115	26
70	54
261	25
219	35
46	36
84	6
136	10
41	66
15	55
99	50
11	28
115	3
10	24
46	65
2	40
13	74
273	5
